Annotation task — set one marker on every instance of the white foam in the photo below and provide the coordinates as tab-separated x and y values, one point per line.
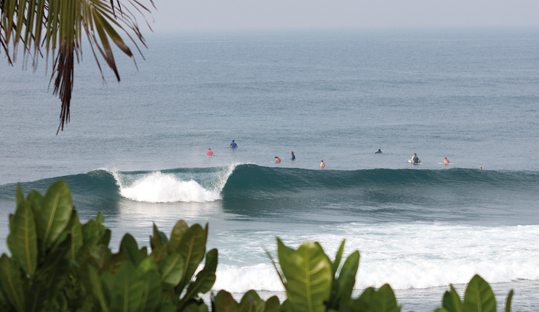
404	255
158	187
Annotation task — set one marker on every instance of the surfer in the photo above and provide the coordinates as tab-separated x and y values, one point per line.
414	160
233	145
293	156
209	153
322	164
446	161
379	151
277	160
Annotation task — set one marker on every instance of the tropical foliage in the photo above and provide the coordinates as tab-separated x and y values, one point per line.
55	29
59	264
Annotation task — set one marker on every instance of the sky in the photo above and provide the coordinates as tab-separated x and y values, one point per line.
215	15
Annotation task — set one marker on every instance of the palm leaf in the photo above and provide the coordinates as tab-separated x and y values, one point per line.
55	29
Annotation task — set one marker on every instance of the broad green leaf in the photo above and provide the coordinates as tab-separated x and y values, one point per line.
204	279
372	300
158	239
22	239
192	248
176	235
478	296
126	290
129	247
308	276
251	302
224	302
172	269
76	236
11	283
55	214
388	299
347	279
451	300
151	292
273	304
97	288
509	300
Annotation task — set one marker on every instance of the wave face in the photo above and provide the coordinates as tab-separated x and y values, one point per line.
255	182
253	178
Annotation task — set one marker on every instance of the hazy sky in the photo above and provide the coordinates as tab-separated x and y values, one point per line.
189	15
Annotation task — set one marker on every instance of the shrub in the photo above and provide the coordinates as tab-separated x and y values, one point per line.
59	264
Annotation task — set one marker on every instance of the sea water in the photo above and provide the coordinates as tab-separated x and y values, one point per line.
136	151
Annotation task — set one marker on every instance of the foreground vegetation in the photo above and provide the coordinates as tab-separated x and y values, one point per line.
59	264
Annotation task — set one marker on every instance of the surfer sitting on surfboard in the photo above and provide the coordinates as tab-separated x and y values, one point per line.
414	160
446	161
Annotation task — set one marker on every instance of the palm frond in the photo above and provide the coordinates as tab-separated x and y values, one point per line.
54	30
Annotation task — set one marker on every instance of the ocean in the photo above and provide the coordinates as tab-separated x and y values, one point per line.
137	151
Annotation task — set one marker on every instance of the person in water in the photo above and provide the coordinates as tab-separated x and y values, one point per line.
293	157
209	153
446	161
322	164
233	145
415	160
277	160
379	151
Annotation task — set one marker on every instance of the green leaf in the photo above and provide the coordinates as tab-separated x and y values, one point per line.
224	302
308	276
22	239
76	236
192	249
196	307
251	302
509	300
372	300
55	214
204	279
176	235
338	257
129	247
125	289
273	304
158	238
347	279
451	300
479	296
151	285
11	283
97	289
172	269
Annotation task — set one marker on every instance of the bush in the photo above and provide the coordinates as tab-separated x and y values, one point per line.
59	264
